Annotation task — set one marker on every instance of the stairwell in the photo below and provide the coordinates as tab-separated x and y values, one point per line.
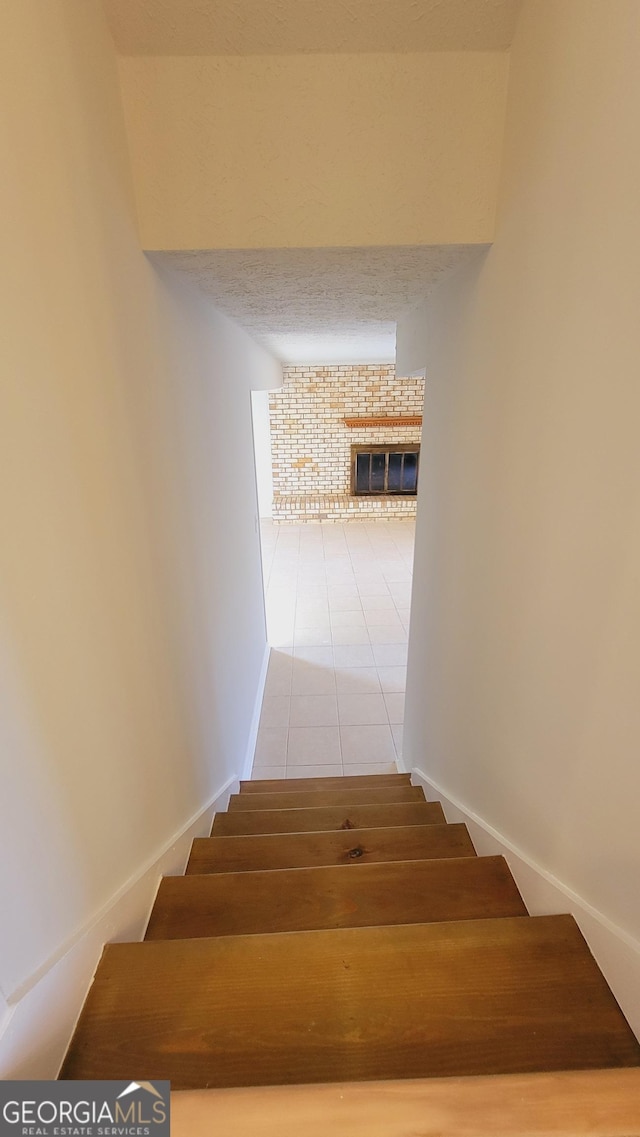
338	930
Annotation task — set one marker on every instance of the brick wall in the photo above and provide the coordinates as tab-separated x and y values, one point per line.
311	445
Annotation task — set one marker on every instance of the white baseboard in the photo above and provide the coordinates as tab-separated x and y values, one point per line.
255	720
616	953
40	1016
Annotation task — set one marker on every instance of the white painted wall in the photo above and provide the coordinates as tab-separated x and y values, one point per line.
132	623
524	663
313	150
262	448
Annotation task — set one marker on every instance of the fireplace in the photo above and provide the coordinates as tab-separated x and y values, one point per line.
317	418
388	470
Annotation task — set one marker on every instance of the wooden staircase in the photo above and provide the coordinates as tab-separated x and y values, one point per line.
338	930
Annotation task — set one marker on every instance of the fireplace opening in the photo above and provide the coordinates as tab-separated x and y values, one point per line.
388	469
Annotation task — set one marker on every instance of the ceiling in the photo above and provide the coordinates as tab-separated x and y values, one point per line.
320	305
315	305
283	27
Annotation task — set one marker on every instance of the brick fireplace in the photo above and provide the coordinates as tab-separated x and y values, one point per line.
320	418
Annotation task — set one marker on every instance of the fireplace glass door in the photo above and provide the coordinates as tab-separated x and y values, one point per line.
385	469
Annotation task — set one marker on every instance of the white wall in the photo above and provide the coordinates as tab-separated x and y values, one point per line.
313	151
131	609
524	664
262	448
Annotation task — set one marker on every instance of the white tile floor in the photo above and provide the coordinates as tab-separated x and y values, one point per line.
337	614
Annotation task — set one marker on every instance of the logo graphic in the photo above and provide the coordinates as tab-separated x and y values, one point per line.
133	1086
84	1109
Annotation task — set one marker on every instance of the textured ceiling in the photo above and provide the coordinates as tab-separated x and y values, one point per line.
320	305
283	27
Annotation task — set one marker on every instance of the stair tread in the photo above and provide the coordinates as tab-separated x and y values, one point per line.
414	1000
291	900
327	817
299	850
364	795
574	1103
350	781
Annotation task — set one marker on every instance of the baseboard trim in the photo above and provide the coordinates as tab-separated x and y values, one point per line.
42	1012
615	951
255	720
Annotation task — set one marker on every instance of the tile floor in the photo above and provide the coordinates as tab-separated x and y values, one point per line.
337	598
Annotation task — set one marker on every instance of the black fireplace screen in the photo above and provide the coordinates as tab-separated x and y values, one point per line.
384	469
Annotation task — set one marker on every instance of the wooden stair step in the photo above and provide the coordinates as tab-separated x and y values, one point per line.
365	795
335	847
327	817
295	900
349	782
573	1103
408	1001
